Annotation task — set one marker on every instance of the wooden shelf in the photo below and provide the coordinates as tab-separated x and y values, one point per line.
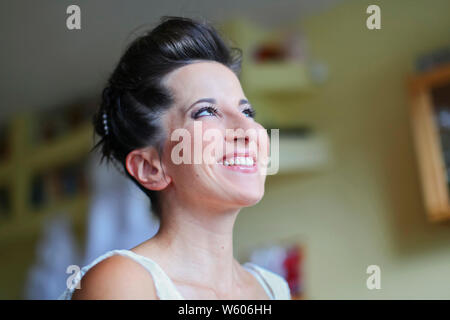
77	208
5	171
264	78
303	154
276	77
63	150
26	161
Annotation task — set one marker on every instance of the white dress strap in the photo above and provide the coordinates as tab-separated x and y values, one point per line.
275	285
260	279
165	289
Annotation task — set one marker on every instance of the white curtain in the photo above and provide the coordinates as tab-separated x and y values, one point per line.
55	251
119	217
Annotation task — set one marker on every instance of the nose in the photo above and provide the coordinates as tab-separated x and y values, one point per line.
237	135
240	131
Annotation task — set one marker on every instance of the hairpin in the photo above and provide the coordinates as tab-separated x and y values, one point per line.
105	123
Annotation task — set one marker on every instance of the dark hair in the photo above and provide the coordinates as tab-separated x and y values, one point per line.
135	98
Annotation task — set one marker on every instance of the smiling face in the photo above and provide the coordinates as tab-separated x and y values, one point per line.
226	169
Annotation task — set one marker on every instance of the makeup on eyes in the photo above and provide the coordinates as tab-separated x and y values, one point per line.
250	111
209	108
214	111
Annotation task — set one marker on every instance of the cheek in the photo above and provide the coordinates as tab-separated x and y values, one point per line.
186	152
213	143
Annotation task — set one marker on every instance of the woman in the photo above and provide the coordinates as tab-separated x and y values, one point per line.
158	88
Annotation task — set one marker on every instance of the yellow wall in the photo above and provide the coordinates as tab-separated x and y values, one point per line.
368	208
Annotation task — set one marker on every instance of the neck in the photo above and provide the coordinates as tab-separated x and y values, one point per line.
201	241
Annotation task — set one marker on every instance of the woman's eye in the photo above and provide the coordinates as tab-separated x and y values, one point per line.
212	111
206	111
249	112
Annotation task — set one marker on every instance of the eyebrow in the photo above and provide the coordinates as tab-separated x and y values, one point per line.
212	100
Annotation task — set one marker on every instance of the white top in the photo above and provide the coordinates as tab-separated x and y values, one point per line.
274	285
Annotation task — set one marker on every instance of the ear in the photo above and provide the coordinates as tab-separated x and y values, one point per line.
145	166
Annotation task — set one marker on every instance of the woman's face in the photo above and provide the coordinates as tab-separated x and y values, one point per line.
210	137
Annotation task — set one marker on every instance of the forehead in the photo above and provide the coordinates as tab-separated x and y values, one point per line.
202	80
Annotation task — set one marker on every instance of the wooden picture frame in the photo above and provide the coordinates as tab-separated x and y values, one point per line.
430	156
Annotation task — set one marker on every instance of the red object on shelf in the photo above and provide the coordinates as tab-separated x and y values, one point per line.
269	52
293	272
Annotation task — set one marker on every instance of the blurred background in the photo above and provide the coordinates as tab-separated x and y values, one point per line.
364	149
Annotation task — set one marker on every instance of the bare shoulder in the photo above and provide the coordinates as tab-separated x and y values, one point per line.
116	278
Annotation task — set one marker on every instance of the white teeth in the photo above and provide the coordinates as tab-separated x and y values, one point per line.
243	161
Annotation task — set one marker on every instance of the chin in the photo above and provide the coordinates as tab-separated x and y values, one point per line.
234	188
249	196
246	190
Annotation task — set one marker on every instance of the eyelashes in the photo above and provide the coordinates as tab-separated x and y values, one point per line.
212	110
204	112
250	112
